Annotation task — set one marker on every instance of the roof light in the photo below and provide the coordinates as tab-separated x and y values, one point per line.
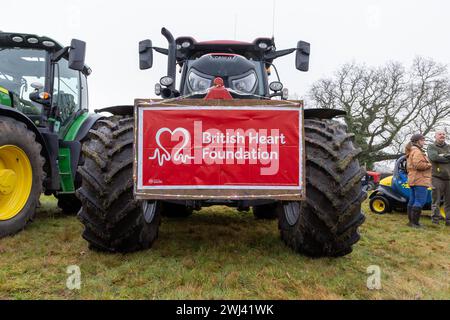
263	45
185	44
48	43
32	40
17	39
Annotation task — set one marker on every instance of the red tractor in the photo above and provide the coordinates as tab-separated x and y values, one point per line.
371	180
121	210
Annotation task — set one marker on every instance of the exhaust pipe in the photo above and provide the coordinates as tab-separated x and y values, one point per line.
172	56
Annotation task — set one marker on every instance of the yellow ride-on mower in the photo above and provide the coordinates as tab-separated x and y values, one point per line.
393	192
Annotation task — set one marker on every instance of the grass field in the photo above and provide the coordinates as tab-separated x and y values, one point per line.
222	254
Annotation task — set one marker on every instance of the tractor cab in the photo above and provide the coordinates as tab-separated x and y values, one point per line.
42	79
243	67
43	119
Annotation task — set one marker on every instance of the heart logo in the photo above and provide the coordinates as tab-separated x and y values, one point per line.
162	154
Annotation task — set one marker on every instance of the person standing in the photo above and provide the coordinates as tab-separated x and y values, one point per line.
439	154
419	178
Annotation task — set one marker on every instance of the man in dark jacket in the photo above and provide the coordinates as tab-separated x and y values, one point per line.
439	154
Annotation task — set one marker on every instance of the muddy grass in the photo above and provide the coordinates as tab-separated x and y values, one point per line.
219	253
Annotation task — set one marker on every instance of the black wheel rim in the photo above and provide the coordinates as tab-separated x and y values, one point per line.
292	213
149	211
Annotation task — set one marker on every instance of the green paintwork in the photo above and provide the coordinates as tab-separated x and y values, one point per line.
5	98
65	171
75	127
64	160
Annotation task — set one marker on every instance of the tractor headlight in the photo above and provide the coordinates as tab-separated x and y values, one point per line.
198	83
166	81
246	84
49	44
276	86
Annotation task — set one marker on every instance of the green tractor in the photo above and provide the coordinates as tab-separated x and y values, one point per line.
43	120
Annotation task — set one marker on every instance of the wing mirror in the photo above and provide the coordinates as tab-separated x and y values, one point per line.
77	54
302	56
145	54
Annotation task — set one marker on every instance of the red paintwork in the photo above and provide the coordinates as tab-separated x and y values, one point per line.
375	175
218	92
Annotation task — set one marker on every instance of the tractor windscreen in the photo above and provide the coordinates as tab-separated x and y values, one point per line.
19	68
239	74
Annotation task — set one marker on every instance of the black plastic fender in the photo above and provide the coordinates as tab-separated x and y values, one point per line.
309	113
118	110
323	113
87	125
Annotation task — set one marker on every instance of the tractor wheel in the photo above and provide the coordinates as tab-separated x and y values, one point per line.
266	211
21	175
442	212
326	223
69	203
173	210
379	205
113	220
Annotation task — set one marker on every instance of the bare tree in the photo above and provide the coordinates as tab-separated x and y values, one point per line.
385	105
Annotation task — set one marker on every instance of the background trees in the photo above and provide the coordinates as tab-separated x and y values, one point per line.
386	104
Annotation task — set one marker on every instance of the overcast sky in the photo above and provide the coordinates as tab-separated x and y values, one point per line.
370	32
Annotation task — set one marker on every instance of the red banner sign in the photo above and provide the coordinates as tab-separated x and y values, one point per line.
212	148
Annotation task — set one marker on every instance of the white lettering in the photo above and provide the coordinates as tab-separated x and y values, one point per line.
213	146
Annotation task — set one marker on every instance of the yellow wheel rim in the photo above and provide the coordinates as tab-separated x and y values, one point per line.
379	205
442	212
16	179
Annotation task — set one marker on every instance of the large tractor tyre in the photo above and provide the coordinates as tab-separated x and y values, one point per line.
266	211
173	210
113	220
69	203
326	223
21	176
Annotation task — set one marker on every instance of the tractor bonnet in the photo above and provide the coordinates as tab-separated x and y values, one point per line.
222	65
